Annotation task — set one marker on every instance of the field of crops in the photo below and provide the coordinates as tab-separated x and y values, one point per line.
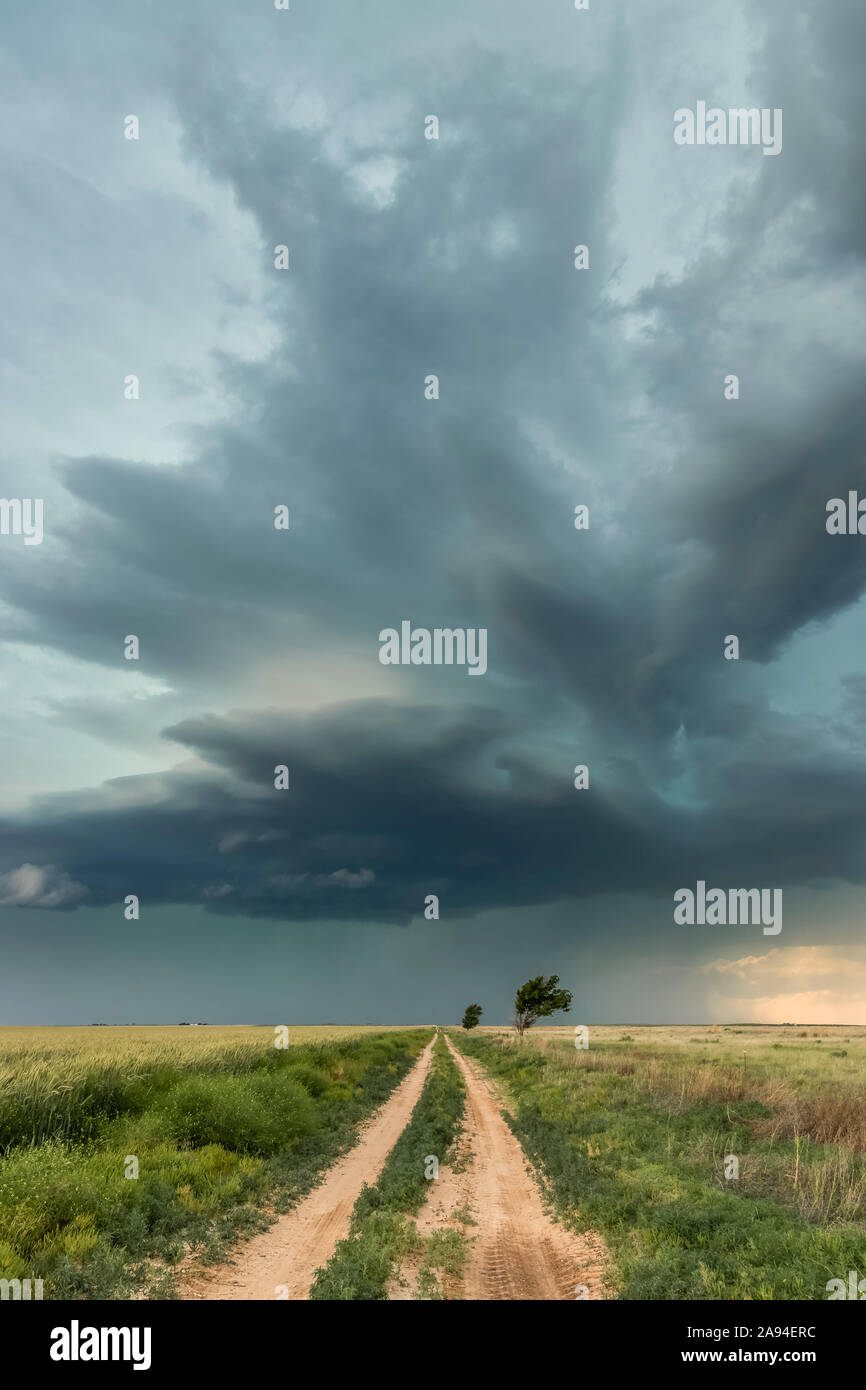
121	1150
134	1043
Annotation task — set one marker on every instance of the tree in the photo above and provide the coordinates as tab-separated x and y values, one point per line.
471	1016
539	998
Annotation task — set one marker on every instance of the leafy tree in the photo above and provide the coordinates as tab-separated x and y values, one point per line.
539	998
471	1016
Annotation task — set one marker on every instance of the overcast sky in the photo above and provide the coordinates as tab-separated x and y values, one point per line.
305	387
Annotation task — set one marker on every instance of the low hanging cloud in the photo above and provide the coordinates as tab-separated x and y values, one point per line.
39	885
390	801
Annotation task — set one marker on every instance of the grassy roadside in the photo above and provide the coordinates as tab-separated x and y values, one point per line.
213	1141
644	1164
382	1233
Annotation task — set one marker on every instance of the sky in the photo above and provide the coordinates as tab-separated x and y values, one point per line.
420	789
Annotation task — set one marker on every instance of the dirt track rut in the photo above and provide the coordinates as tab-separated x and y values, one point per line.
286	1257
517	1250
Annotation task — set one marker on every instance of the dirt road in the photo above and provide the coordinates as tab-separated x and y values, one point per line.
285	1257
516	1250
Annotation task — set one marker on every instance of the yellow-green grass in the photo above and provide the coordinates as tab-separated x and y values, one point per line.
103	1043
219	1121
810	1081
734	1036
50	1072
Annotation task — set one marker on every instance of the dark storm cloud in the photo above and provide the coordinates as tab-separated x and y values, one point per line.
813	56
742	514
708	519
390	803
389	494
386	804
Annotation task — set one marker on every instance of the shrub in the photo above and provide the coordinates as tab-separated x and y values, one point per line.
259	1113
314	1081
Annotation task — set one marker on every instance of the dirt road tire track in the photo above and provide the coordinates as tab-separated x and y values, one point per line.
517	1251
289	1253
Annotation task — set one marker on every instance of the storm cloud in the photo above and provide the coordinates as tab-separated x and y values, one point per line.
557	387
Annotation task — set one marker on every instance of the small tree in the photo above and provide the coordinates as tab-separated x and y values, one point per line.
539	998
471	1016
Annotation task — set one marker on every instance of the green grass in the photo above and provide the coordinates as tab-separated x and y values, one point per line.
61	1083
217	1138
634	1140
380	1235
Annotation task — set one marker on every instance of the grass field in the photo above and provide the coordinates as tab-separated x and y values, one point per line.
634	1133
123	1148
138	1043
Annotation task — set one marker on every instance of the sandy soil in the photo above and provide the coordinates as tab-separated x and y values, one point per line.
517	1251
282	1261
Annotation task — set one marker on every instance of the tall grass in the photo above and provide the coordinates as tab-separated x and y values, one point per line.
60	1083
52	1061
818	1097
216	1131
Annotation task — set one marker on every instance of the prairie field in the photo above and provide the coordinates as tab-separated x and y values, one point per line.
124	1149
722	1161
699	1161
726	1035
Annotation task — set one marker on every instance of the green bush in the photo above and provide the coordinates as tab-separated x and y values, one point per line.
250	1114
314	1081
